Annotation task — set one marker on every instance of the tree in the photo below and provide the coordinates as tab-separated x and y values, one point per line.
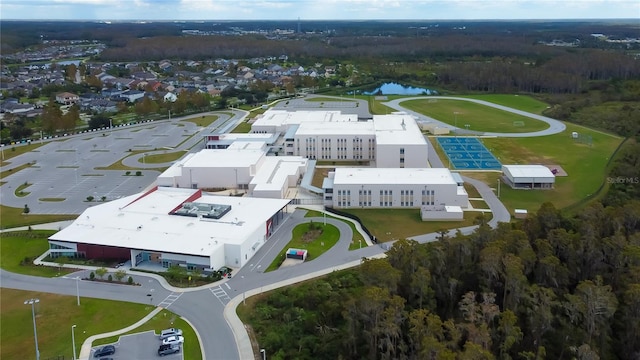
26	209
51	118
101	272
61	260
592	305
378	272
92	275
120	274
509	331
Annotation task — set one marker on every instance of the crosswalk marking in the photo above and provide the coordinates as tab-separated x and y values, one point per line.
170	299
219	293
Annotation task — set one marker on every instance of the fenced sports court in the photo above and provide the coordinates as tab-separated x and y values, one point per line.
468	153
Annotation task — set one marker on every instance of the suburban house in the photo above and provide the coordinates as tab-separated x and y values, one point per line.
67	98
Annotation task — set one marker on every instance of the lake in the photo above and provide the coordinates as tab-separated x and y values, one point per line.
398	89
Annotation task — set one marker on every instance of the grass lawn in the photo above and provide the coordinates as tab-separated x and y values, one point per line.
584	164
479	117
376	107
163	158
11	151
55	314
51	199
244	128
524	103
204	120
19	246
8	172
118	165
315	246
389	224
163	320
20	190
12	217
356	240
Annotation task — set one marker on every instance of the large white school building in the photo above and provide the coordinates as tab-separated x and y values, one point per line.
428	188
242	165
168	226
390	141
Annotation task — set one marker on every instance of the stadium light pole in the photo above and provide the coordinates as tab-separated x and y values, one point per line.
73	340
455	116
32	302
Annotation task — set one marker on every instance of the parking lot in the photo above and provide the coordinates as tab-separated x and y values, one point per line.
140	346
66	171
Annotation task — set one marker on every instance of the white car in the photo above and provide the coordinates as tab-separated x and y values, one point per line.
173	340
170	332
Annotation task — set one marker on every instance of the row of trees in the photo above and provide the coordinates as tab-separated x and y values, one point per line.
548	287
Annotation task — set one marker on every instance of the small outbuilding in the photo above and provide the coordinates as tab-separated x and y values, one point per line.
528	176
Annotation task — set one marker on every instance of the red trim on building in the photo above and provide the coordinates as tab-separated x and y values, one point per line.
143	195
195	196
92	251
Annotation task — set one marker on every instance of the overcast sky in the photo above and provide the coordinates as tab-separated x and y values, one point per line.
317	9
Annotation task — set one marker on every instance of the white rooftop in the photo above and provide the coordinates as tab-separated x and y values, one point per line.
242	155
397	129
143	222
529	171
362	128
409	176
283	117
275	171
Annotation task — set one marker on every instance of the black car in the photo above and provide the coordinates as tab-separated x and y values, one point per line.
106	350
168	349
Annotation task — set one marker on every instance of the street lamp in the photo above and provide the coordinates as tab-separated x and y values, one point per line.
78	289
73	341
32	302
498	188
455	116
264	354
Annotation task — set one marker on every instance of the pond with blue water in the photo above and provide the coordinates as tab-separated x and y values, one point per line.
398	89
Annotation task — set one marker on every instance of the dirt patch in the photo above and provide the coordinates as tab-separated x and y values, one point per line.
311	235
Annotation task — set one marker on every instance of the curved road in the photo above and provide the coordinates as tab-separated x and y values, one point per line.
211	309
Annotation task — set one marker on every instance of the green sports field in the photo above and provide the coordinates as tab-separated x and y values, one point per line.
476	117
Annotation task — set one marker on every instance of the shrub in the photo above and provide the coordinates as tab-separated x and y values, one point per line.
138	173
101	272
92	276
90	198
110	278
120	274
127	173
130	280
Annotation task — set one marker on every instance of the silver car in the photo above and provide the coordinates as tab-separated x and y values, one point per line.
170	332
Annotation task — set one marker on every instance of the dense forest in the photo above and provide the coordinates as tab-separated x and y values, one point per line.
548	287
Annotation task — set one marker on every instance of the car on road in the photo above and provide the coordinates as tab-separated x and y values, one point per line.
168	349
105	350
173	340
170	332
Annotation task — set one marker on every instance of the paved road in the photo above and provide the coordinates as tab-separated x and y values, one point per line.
555	126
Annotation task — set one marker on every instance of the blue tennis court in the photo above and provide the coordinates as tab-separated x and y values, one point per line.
468	153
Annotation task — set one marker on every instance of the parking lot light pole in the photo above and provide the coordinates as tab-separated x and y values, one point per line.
264	354
32	302
78	289
73	340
